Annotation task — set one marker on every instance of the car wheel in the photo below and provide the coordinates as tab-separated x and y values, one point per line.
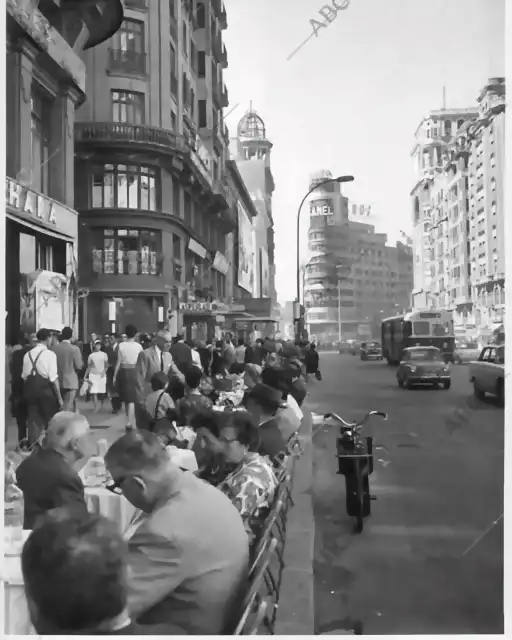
478	393
408	384
447	384
400	382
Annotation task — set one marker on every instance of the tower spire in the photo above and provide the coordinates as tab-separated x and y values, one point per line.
444	98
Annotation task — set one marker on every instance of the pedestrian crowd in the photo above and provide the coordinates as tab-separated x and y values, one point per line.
181	566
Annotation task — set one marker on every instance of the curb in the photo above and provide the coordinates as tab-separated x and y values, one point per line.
296	611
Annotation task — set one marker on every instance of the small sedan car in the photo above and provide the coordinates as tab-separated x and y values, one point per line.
371	351
423	365
466	352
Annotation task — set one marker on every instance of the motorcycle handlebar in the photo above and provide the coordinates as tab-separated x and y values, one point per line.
354	424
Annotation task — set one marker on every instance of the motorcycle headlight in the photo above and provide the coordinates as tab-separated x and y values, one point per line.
412	368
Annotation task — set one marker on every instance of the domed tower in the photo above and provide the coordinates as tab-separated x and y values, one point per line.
253	150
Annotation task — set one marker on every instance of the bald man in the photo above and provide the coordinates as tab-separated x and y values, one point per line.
150	361
47	477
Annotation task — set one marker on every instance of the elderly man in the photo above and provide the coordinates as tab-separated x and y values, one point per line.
47	477
188	550
74	570
150	361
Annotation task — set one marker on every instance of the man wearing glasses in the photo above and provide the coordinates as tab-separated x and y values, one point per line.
187	549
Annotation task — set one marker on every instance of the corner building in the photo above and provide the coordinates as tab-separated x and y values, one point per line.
46	81
151	189
351	274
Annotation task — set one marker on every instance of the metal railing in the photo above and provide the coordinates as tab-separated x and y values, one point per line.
127	61
125	132
136	263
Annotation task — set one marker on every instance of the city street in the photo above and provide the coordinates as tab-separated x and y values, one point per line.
438	480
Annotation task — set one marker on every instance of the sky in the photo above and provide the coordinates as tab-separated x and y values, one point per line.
351	99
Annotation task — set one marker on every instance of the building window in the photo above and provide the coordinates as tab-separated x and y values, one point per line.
128	252
493	160
40	133
128	106
203	120
493	184
494	232
201	64
185	40
187	208
125	187
128	51
174	121
201	15
493	208
176	199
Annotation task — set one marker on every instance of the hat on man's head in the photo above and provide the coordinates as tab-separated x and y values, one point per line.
267	395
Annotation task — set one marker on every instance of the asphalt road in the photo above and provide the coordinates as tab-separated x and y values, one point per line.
438	480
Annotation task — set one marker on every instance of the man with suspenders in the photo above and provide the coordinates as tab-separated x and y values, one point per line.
41	385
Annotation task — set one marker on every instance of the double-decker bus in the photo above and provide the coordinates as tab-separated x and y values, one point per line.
418	328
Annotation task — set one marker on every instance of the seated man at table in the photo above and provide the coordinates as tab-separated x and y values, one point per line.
47	477
263	403
74	570
187	550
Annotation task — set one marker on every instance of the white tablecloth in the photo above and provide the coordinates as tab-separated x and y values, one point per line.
111	505
16	619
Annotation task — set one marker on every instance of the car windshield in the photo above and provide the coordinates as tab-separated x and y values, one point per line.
425	354
469	345
373	344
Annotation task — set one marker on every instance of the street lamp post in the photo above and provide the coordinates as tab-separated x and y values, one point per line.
297	313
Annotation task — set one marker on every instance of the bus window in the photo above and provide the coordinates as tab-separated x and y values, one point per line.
421	328
440	329
407	329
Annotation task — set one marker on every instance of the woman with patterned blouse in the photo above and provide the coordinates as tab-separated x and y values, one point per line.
252	484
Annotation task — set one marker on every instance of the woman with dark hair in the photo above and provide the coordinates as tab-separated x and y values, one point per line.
125	373
194	401
252	483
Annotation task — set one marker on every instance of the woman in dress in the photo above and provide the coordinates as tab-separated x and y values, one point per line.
97	365
125	374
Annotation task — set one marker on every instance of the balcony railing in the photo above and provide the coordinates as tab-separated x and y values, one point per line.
224	101
136	4
127	61
107	132
217	45
129	263
216	92
224	57
223	19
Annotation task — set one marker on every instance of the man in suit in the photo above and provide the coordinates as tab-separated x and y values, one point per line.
74	575
47	477
69	365
181	353
150	361
188	551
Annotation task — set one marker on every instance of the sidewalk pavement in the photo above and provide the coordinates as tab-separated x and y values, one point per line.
103	424
296	612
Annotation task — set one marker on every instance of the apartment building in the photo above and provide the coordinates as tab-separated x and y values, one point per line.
458	210
46	81
151	184
351	275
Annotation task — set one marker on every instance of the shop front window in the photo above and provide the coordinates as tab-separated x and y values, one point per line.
128	252
125	187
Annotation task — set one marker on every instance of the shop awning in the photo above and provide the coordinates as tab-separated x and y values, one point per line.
39	229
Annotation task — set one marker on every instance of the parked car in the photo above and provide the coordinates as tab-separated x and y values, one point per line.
423	365
345	346
466	352
371	351
487	374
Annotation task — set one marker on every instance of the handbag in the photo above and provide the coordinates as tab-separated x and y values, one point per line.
318	374
84	389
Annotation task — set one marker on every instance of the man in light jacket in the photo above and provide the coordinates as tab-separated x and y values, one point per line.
69	364
188	551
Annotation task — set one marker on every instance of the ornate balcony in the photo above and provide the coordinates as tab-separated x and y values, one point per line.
223	20
124	135
134	263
